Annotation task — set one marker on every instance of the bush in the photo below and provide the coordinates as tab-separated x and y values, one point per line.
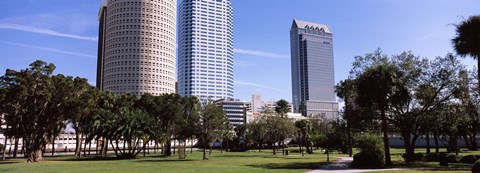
469	159
417	156
369	143
432	157
1	147
476	167
452	158
368	160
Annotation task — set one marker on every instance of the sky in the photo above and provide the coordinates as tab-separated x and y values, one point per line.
64	32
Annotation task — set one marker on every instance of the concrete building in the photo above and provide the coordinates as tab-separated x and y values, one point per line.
136	46
205	49
236	110
312	69
257	103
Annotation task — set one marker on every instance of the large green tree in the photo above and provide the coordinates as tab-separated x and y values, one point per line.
212	124
36	101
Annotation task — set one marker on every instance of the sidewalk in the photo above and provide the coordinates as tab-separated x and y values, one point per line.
342	166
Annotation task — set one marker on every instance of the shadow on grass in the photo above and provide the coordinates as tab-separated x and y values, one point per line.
253	155
90	159
291	165
432	166
165	161
7	162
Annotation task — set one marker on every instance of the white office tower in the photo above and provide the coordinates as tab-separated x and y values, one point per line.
205	49
136	52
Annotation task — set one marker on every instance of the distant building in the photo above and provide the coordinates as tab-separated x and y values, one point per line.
257	103
312	69
205	49
236	110
137	46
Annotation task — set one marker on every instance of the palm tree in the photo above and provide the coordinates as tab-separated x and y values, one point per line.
282	108
467	41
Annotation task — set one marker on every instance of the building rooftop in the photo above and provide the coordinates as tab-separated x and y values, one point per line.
304	24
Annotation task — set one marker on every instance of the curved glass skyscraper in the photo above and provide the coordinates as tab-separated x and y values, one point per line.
136	52
205	49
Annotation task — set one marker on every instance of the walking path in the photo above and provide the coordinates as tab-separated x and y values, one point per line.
342	166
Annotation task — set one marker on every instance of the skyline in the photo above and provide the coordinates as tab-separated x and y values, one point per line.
65	34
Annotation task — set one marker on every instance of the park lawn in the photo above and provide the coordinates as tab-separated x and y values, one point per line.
218	162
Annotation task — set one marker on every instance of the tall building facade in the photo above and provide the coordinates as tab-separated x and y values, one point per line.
312	69
205	49
136	51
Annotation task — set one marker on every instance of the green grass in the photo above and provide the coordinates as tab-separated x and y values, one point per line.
218	162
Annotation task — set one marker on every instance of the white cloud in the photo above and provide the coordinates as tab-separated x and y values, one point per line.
48	49
257	85
44	31
260	53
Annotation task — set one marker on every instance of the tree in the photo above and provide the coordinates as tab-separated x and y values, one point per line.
304	127
282	108
212	123
35	98
467	40
376	86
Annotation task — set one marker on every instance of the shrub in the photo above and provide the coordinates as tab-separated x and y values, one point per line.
432	157
1	147
417	156
371	152
476	167
452	158
368	160
369	143
469	159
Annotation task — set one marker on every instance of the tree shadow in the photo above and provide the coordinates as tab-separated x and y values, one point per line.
4	162
90	159
291	165
164	161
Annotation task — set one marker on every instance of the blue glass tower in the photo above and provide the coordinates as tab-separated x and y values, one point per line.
312	69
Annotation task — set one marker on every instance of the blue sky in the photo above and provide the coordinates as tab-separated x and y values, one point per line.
64	32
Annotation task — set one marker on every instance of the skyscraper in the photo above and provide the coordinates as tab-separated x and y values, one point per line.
136	51
312	69
205	49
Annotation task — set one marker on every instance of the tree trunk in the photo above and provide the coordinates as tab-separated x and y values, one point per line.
467	142
34	155
204	151
283	147
174	145
473	141
15	149
274	149
328	155
167	148
435	139
89	147
53	146
386	145
409	150
427	137
79	154
191	146
77	144
4	148
85	148
349	140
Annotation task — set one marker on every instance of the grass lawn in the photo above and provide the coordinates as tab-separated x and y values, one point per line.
218	162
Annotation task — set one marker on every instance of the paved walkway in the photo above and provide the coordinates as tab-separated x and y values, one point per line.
341	166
